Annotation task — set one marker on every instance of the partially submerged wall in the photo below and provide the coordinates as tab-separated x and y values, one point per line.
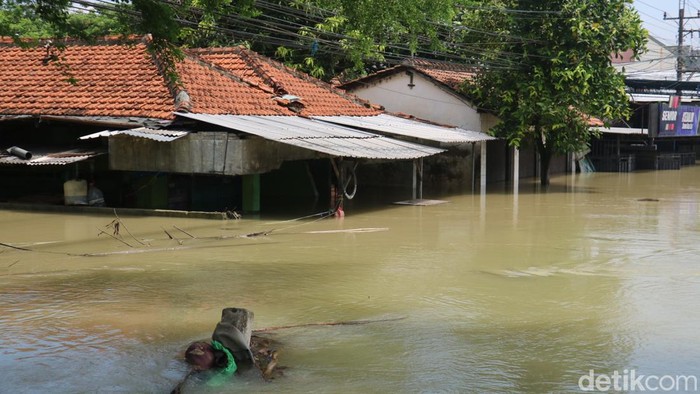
202	153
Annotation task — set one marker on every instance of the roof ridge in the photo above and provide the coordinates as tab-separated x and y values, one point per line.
181	99
193	54
255	65
254	61
383	71
318	82
442	65
73	41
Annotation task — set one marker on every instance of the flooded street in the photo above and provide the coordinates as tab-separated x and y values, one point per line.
502	292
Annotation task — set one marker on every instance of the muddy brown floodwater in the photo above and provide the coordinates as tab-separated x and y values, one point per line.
501	292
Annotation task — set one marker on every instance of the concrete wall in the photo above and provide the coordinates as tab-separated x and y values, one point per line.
658	62
500	160
529	162
429	100
496	163
202	153
425	100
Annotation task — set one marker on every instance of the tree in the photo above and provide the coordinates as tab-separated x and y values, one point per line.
16	20
22	21
550	68
322	37
379	30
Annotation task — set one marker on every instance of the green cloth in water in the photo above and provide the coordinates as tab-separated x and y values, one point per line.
231	367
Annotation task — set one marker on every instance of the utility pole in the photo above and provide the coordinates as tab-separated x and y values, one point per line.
680	58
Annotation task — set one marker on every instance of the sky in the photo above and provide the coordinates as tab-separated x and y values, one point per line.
652	14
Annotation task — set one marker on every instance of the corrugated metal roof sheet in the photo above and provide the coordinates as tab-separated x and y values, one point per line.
141	132
625	130
14	117
42	157
409	128
319	136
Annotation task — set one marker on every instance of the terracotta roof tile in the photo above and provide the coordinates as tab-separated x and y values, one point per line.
450	74
318	98
595	122
123	80
115	80
214	92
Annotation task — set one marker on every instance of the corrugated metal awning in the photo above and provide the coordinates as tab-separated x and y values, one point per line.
14	117
333	140
141	132
625	130
46	157
395	125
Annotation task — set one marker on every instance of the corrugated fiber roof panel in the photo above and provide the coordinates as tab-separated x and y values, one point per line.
141	132
333	140
395	125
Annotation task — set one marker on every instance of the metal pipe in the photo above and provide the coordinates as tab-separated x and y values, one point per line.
19	152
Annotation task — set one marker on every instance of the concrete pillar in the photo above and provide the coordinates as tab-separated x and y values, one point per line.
516	168
234	332
482	183
251	193
418	178
572	156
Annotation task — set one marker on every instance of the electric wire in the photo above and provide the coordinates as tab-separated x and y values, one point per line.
272	30
252	22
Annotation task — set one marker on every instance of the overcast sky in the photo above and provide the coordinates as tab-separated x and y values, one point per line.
652	13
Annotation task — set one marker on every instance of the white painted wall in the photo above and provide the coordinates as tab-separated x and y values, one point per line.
657	63
425	100
429	100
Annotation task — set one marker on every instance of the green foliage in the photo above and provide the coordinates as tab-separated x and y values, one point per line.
20	19
17	20
88	25
369	30
324	36
157	18
549	68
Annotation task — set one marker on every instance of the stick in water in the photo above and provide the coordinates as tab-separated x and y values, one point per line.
337	323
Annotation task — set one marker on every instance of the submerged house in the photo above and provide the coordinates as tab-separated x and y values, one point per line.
663	130
430	89
232	131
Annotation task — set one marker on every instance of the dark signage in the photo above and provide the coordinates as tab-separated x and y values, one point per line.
681	121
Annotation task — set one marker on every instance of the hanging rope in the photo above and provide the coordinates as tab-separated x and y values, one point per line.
348	177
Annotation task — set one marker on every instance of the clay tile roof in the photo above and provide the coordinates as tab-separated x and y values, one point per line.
117	79
81	80
449	74
595	122
213	91
317	98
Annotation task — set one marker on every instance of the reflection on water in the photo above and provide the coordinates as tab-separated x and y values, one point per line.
499	292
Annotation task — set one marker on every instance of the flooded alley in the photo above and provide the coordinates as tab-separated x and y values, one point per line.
498	292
